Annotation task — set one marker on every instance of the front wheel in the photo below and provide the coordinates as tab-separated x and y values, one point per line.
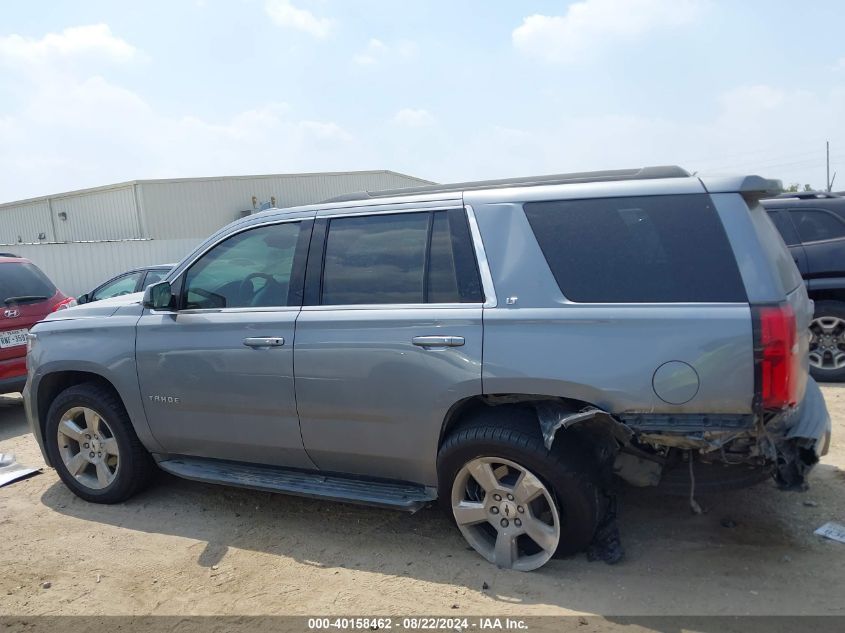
93	446
516	503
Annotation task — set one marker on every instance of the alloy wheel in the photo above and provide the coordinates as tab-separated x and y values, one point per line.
88	447
827	343
506	513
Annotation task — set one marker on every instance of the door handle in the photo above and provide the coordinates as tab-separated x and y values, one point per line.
438	341
264	341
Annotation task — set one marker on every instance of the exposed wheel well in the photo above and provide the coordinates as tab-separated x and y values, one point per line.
465	409
53	384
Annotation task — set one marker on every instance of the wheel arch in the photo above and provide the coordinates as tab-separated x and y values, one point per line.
464	409
52	384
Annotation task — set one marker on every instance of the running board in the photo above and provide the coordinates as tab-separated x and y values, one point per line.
382	494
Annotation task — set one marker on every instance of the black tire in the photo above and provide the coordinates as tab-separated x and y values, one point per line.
568	470
136	465
829	309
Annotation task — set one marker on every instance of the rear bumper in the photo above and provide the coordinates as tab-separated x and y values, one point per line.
801	438
810	426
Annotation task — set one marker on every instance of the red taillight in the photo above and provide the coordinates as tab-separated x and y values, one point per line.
778	361
64	303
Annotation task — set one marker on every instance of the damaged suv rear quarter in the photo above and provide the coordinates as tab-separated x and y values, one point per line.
673	327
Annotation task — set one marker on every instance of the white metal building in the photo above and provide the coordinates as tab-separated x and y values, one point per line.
81	238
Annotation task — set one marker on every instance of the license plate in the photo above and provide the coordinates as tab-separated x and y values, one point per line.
13	338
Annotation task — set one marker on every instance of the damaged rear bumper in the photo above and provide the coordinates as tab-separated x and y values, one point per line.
798	438
787	444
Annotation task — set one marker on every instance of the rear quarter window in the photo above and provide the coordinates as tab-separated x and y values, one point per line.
645	249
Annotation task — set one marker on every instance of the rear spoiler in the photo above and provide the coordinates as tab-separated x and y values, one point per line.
752	188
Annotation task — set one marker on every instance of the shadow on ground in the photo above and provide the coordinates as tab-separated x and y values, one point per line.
12	418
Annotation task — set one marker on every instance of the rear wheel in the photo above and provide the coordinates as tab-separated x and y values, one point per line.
827	343
516	503
93	445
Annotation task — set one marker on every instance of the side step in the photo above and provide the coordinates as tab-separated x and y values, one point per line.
382	494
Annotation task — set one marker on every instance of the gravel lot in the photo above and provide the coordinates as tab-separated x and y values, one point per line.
188	548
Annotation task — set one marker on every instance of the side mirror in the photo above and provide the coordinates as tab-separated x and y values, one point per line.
82	299
158	296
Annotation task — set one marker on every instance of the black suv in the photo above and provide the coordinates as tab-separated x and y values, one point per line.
812	224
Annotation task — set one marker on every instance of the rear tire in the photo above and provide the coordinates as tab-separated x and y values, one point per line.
93	446
827	348
567	506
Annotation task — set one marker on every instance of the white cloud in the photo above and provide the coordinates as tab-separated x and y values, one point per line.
840	64
283	13
70	127
95	41
377	52
590	26
776	133
413	117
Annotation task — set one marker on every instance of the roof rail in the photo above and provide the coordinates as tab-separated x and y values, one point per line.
642	173
808	195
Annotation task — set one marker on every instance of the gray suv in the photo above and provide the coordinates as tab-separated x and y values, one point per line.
512	348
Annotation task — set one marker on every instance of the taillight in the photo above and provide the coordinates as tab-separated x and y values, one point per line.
65	303
778	363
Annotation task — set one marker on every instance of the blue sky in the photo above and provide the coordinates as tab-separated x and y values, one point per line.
99	92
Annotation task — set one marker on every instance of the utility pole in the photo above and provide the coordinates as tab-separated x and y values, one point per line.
827	178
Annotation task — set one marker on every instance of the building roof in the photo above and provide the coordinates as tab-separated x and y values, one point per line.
118	185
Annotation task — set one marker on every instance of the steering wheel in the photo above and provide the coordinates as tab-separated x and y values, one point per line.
248	290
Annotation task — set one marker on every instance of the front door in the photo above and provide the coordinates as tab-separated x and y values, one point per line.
392	339
216	374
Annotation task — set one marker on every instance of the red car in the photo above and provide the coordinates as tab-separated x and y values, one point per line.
26	297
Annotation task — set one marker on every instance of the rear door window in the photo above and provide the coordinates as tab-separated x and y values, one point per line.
816	225
402	258
649	249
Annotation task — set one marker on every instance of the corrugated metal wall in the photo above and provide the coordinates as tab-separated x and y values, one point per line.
172	216
78	268
100	215
195	208
25	222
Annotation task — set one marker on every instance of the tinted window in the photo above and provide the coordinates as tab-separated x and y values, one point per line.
154	276
250	269
121	286
784	226
452	269
424	257
814	225
23	280
375	259
637	250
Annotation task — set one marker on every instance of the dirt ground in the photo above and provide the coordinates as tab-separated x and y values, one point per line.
188	548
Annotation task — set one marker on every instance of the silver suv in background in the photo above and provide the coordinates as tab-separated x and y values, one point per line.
510	347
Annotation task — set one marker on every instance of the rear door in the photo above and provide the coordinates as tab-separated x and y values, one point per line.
389	339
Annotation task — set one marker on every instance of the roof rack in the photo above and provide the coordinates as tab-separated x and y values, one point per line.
808	195
642	173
